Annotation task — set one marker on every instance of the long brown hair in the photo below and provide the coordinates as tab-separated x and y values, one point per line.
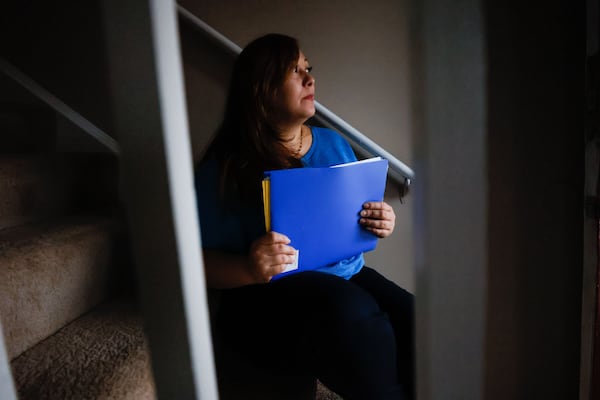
246	144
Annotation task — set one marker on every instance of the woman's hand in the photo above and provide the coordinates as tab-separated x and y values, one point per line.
378	217
269	255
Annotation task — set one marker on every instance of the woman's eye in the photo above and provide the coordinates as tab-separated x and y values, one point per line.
298	69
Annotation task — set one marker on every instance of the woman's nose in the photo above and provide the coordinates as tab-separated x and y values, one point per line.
308	78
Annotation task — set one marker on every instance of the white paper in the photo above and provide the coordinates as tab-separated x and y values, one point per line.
294	265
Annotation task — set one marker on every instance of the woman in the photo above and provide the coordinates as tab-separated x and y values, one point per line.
344	323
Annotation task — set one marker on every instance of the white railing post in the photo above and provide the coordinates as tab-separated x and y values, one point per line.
151	124
451	199
7	387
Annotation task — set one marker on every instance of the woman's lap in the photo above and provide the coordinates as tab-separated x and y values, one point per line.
336	329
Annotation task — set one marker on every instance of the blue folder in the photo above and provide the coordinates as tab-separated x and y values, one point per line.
318	209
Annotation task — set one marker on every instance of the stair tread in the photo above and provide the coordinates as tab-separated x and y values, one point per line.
37	186
50	273
49	231
101	355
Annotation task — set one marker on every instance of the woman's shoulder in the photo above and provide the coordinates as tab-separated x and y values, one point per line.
328	148
326	134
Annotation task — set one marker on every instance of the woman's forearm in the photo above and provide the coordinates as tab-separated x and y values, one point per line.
225	271
268	256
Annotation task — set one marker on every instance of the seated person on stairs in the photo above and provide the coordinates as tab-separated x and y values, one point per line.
344	324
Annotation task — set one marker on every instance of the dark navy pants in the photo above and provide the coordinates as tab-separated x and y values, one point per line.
355	336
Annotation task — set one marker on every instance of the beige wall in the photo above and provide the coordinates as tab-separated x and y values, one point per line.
360	56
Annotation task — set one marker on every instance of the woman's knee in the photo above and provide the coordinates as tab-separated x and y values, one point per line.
341	301
343	309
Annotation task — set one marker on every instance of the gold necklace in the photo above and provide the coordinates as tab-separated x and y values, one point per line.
297	152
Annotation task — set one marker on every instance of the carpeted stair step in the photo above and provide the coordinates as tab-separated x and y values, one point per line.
323	393
51	273
36	187
100	356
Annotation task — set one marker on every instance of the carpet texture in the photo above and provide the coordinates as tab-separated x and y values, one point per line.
32	187
323	393
50	274
101	356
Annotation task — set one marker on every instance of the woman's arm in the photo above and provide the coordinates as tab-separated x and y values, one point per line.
224	270
267	257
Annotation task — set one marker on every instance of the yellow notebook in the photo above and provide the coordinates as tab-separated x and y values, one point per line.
266	187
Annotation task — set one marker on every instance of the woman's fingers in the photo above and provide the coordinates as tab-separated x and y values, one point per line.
376	223
378	217
275	237
269	256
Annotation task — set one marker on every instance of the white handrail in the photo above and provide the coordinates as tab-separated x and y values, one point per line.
324	115
233	48
59	106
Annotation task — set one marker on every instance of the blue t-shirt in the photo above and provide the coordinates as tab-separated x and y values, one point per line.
233	231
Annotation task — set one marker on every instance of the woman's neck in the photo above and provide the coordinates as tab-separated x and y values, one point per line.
293	137
290	133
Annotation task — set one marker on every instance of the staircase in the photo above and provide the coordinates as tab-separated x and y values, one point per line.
67	295
67	306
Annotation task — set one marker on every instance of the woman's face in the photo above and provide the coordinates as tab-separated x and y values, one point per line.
295	101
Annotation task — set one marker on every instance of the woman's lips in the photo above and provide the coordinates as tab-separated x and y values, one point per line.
309	97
